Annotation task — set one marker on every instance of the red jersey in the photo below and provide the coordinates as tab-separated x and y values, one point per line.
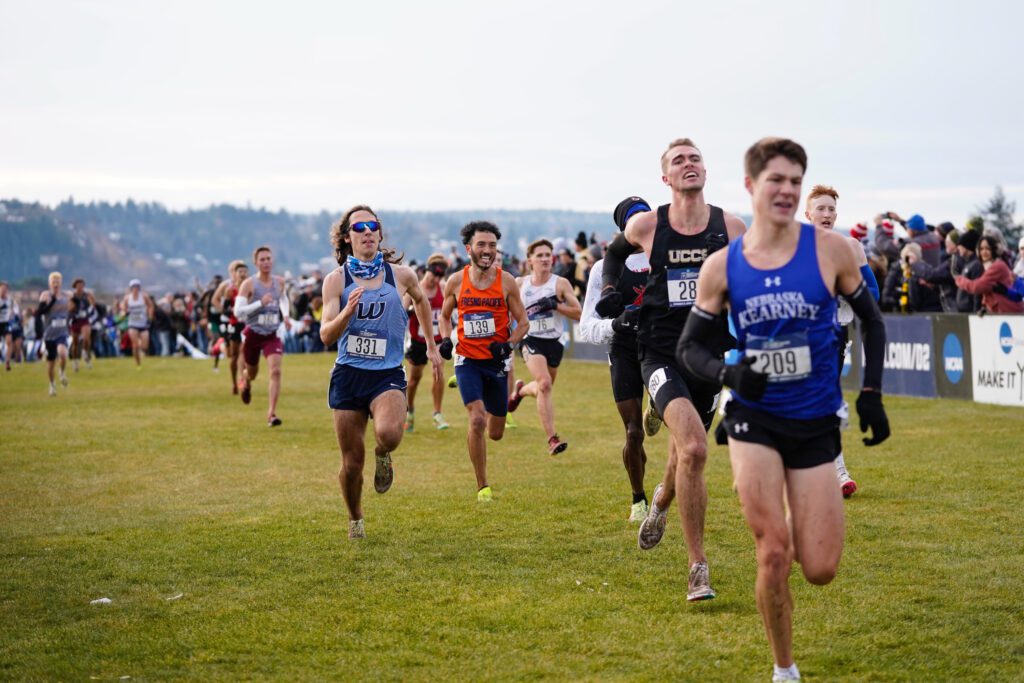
436	302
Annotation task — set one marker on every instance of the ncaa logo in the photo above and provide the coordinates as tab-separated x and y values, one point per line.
1005	338
953	358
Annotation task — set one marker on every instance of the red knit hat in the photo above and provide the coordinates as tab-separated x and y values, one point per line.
887	228
859	231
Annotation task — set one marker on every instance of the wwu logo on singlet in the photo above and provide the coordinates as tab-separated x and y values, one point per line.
370	311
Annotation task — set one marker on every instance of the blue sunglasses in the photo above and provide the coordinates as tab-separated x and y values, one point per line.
363	226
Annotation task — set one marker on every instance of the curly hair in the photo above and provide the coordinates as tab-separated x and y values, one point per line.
343	249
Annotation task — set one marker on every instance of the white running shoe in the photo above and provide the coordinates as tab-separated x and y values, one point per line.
356	529
653	526
63	380
439	421
53	389
638	511
699	585
74	365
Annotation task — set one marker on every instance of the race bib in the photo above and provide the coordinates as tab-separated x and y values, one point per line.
434	326
784	359
543	322
476	325
682	286
367	344
268	319
59	323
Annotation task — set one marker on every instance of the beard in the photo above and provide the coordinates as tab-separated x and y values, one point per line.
477	261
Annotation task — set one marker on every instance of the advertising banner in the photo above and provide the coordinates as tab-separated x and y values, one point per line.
952	348
997	359
909	365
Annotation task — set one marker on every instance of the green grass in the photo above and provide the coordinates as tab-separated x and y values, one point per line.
139	486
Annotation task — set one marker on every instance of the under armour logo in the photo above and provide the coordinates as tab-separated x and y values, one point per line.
769	281
742	427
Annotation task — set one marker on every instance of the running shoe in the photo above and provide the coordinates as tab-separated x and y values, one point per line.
484	495
638	511
273	421
88	363
846	483
556	445
510	423
74	365
653	526
515	400
700	583
246	390
453	382
385	474
410	419
784	675
53	389
63	380
652	421
440	422
356	528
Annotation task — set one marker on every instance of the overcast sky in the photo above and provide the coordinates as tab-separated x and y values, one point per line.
903	106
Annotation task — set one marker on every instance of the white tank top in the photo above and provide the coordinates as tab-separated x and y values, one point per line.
548	324
138	312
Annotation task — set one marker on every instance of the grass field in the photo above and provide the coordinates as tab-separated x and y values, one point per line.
141	486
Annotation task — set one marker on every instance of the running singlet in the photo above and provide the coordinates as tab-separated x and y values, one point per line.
483	317
547	324
631	286
57	320
672	286
785	320
266	319
374	337
6	309
435	312
138	313
81	307
227	313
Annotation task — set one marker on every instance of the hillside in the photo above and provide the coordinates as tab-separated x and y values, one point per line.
110	243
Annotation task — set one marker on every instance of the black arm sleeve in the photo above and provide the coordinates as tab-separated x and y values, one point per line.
865	307
615	260
44	307
701	327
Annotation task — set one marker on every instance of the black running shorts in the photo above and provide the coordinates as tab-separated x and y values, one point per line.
666	381
801	443
627	378
551	349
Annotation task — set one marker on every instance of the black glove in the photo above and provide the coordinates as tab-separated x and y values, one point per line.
445	348
628	321
610	304
714	241
872	414
500	350
548	303
626	208
745	380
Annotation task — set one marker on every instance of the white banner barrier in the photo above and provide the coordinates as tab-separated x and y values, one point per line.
997	359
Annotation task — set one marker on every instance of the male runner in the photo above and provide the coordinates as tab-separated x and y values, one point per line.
780	281
677	239
432	285
54	306
487	298
363	312
821	211
262	318
8	312
230	326
627	379
140	308
548	300
83	308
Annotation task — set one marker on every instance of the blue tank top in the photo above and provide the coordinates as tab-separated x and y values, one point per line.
375	336
785	319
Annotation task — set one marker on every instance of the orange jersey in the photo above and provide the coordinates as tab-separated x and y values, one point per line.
483	317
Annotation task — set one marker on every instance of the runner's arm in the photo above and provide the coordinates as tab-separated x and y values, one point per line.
593	328
336	319
568	304
444	322
242	306
516	310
